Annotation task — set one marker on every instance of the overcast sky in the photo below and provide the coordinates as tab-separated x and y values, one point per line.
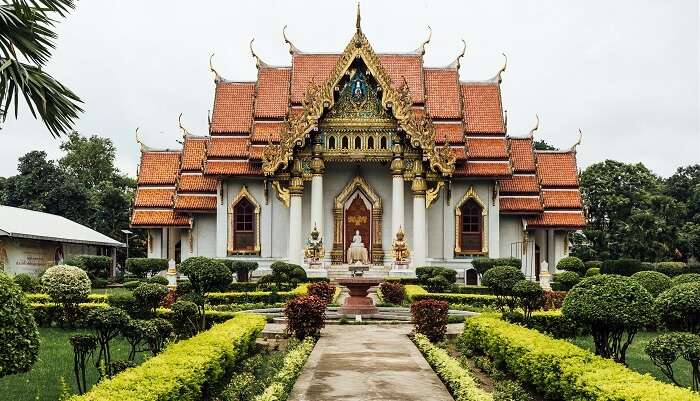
625	72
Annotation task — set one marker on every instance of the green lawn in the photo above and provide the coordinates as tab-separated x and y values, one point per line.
638	360
55	361
114	290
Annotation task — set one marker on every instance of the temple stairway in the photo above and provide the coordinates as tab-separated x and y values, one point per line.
341	271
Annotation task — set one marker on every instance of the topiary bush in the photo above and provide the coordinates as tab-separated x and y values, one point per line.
429	318
685	278
184	318
66	285
157	279
528	295
671	269
666	349
392	292
19	338
593	264
425	273
679	307
438	284
107	323
482	265
206	275
284	276
593	271
132	285
27	283
323	290
654	282
623	267
565	281
610	306
142	266
501	280
94	266
305	316
240	268
572	264
125	302
149	296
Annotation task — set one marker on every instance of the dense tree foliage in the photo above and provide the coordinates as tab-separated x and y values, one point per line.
540	144
83	185
634	213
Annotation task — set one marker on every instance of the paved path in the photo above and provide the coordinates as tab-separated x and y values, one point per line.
367	362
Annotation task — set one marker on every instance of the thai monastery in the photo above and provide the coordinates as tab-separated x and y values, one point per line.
362	146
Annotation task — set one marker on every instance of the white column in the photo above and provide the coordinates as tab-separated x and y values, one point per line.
528	259
494	221
551	250
317	203
397	203
419	240
295	248
222	227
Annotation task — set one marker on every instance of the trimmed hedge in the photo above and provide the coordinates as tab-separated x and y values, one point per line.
412	290
265	297
96	266
284	380
623	267
461	383
477	300
473	289
561	370
46	299
672	269
177	373
550	322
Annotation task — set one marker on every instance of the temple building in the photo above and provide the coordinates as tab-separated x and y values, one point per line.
361	146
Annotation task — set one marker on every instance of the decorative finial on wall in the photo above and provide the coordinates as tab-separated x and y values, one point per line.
217	77
292	49
537	125
358	18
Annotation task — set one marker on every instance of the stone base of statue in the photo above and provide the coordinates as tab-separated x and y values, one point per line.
315	269
401	268
358	268
358	303
545	279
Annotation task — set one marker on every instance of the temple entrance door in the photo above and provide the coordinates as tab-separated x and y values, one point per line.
357	216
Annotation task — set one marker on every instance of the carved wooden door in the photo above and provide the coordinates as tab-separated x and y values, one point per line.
357	218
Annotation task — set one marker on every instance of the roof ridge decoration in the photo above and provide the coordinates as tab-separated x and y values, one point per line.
292	49
217	77
531	134
455	64
139	142
497	78
185	132
318	98
578	142
258	62
421	49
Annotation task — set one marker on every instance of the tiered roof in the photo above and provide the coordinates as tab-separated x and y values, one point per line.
468	118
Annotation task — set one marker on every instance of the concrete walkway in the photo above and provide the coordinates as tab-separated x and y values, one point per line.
367	362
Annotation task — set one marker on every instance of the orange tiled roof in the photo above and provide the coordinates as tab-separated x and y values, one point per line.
228	147
482	108
449	133
520	184
442	93
530	204
558	219
272	99
196	183
233	107
193	151
159	167
521	155
154	197
410	66
158	218
307	68
561	199
482	148
557	169
256	152
488	169
195	202
232	168
266	131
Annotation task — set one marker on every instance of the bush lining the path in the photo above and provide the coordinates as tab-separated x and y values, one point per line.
458	379
177	373
18	334
561	370
265	297
46	299
418	293
284	380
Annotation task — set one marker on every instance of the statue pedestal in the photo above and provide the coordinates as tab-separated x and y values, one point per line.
171	275
358	303
402	269
315	269
357	269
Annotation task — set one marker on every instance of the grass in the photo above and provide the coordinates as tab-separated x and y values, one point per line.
638	360
108	291
55	362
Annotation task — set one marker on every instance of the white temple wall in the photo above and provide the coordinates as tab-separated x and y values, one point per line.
155	250
203	237
435	224
511	236
561	246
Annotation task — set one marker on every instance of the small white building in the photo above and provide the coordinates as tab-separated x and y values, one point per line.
32	241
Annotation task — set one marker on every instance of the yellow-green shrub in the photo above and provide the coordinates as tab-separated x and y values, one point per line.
284	380
478	300
451	372
413	290
45	298
187	370
562	370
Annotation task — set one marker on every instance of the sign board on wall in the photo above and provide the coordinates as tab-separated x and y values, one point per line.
28	256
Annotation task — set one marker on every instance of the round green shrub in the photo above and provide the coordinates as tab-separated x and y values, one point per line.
593	263
666	349
67	285
149	295
132	285
623	267
437	284
501	280
685	278
609	305
671	269
125	302
593	271
529	295
26	282
18	333
206	274
158	280
142	266
654	282
679	307
566	280
184	318
572	264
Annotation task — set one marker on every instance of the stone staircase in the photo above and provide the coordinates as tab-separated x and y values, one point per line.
341	271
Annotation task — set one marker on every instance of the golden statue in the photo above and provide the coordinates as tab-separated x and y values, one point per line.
399	247
314	246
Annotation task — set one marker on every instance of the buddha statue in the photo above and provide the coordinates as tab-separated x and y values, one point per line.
313	252
357	251
400	248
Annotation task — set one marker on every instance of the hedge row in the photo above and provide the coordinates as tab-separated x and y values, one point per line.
458	379
178	373
413	290
266	297
477	300
46	299
551	322
293	363
561	370
473	289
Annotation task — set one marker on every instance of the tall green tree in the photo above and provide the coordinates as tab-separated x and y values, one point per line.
540	144
684	187
89	159
27	38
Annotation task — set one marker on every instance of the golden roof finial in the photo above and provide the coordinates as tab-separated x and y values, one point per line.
358	18
455	64
217	77
421	48
292	49
185	132
537	126
138	140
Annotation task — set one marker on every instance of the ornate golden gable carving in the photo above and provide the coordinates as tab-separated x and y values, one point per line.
419	130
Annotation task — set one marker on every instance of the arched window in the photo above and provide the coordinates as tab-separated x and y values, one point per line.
344	142
382	142
470	226
244	225
370	143
331	142
358	142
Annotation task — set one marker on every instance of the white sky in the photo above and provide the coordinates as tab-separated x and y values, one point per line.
625	72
